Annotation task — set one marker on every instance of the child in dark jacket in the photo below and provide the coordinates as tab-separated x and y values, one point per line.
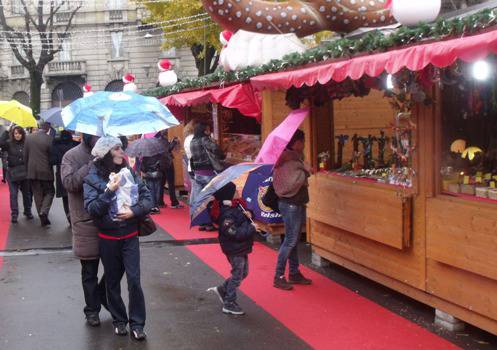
236	237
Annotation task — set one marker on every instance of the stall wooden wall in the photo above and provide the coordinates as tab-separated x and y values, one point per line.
363	116
177	131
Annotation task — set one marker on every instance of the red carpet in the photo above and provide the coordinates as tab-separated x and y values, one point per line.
4	217
325	315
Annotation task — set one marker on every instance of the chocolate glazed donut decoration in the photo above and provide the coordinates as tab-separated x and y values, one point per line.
299	17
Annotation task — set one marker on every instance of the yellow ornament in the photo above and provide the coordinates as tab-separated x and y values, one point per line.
471	152
458	146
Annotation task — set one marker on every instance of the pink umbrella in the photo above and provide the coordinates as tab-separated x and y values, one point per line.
149	135
279	138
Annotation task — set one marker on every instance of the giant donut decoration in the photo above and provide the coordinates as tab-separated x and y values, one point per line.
299	17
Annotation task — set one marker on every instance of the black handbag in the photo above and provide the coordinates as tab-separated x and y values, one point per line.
17	173
146	226
271	199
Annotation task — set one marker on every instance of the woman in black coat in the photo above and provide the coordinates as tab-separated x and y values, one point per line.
60	146
13	145
118	234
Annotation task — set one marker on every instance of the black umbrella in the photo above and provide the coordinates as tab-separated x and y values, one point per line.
145	148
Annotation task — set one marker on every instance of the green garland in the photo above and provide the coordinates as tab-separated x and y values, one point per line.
372	42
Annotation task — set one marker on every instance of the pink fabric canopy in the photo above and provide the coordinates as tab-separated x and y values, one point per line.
239	96
415	58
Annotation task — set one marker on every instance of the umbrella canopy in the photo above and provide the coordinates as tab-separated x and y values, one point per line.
251	180
17	113
53	116
279	138
117	114
145	148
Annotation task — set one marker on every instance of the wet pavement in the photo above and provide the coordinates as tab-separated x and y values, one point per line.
41	299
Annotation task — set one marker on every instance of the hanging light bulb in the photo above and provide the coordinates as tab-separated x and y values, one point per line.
481	70
390	82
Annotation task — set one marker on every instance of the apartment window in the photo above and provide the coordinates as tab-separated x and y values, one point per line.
16	7
64	4
65	51
117	44
116	4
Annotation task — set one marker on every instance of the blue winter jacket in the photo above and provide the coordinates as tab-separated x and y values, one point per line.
98	201
236	233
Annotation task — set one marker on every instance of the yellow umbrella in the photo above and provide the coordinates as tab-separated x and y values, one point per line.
17	113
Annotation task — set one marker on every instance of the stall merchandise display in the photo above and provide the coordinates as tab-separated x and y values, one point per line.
241	148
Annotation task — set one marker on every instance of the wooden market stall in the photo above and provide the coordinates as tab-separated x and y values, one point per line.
408	195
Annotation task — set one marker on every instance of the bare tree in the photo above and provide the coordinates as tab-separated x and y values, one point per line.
38	31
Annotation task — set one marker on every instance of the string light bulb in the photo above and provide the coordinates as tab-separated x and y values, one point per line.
389	82
481	70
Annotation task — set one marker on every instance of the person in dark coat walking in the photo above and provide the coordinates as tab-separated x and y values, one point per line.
37	151
61	145
118	237
236	237
74	167
13	145
151	174
167	170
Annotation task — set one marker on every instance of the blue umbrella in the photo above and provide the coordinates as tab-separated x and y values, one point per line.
53	116
251	180
117	114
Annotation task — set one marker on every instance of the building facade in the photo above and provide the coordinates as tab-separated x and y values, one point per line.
106	41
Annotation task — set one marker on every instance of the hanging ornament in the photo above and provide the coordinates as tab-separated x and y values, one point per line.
167	77
87	90
410	13
129	83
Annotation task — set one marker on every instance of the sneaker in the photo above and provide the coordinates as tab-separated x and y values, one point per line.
29	216
120	329
233	309
281	283
155	210
13	219
177	206
299	279
219	292
139	334
93	320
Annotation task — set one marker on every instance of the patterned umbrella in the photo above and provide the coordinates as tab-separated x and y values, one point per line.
145	148
117	114
251	180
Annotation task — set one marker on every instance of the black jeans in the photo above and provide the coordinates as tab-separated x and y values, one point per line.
43	193
14	187
170	178
119	256
94	291
239	271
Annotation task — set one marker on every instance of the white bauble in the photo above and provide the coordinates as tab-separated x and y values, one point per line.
168	78
130	87
410	12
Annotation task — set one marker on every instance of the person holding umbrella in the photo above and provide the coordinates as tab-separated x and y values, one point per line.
13	145
118	235
149	152
205	152
290	184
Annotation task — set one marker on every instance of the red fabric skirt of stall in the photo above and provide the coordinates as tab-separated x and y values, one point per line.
239	96
439	54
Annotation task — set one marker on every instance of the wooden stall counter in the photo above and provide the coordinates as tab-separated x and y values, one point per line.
376	211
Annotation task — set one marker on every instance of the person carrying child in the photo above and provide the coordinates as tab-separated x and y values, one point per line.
236	237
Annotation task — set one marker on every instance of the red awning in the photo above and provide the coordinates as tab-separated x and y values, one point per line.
240	96
415	58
